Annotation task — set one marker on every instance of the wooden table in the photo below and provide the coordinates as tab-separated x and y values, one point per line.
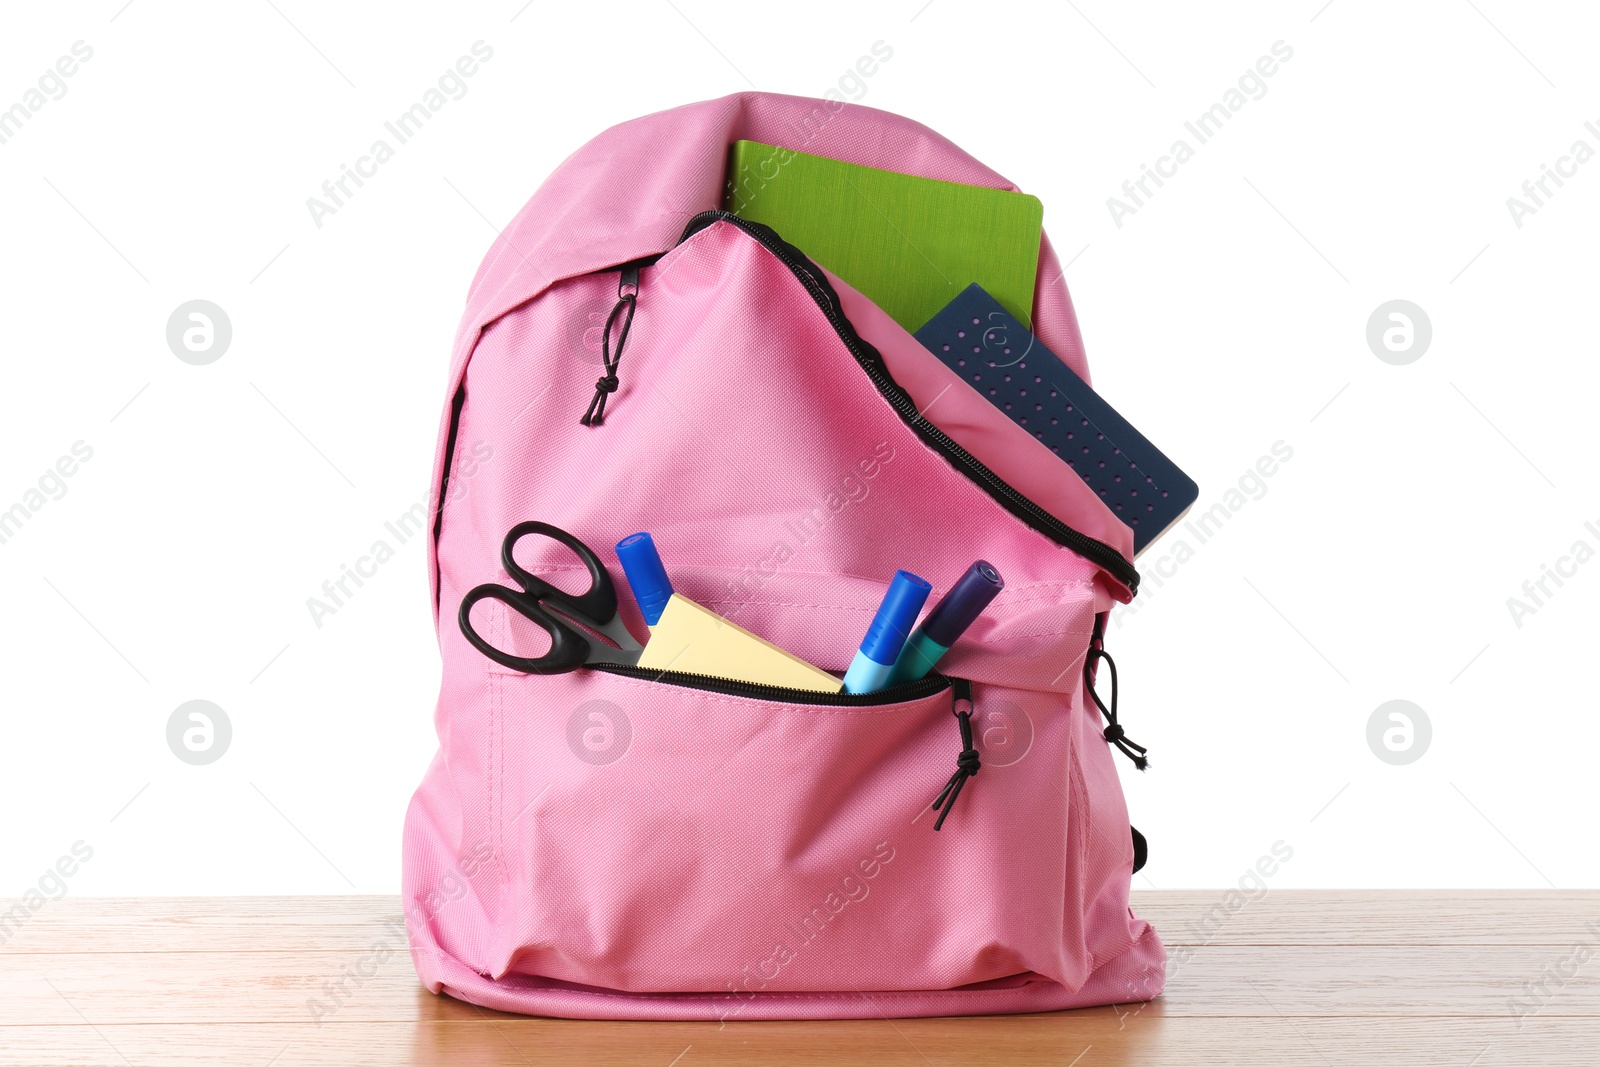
1316	978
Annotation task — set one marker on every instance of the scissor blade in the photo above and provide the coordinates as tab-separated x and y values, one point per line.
614	631
606	654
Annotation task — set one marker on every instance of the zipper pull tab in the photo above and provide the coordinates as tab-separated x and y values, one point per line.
967	763
627	297
1113	731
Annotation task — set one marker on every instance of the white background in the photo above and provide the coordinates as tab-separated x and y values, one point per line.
1227	314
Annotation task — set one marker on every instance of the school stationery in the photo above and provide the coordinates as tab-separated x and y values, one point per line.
947	621
647	575
907	242
557	613
688	638
695	640
886	636
995	354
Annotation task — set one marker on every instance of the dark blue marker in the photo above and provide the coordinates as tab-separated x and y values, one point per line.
947	621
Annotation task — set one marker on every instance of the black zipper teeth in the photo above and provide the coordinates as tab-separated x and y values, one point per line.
1097	552
923	687
457	401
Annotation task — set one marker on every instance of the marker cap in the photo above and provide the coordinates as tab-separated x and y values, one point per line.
964	603
647	575
896	617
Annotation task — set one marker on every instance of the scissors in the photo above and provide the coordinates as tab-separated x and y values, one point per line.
555	611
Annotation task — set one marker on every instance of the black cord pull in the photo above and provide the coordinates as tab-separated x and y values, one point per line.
1113	732
968	763
627	297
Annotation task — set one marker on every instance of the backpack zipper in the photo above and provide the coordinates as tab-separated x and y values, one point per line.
914	690
871	361
961	706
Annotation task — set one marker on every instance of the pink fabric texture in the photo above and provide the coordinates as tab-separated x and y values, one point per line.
726	857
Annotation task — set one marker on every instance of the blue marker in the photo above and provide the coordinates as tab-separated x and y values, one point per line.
946	622
647	576
869	671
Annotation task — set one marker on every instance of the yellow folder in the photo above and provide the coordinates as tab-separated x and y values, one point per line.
690	638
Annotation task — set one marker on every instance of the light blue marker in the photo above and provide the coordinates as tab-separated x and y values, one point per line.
881	646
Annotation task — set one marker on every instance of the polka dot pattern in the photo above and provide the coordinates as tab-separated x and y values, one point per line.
1007	365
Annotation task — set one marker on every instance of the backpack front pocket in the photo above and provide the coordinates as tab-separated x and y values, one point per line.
662	837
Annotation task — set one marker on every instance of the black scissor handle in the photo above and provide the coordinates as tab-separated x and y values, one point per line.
569	649
596	605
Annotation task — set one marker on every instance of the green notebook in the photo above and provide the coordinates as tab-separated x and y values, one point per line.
909	244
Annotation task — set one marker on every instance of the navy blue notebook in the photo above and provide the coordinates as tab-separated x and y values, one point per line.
985	344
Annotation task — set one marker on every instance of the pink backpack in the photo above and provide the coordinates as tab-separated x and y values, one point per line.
618	843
